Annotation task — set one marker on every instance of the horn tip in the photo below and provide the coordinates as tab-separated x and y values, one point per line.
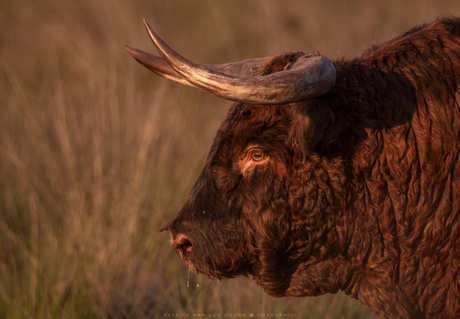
147	25
131	50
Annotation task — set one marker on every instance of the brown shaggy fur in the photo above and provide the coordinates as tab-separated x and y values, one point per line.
357	190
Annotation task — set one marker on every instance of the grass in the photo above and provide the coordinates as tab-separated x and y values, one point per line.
96	152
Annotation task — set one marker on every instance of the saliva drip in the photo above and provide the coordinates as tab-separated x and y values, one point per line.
188	279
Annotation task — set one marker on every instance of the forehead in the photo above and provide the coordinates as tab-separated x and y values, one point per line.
251	123
247	117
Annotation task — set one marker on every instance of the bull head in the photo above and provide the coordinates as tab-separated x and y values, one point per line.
241	216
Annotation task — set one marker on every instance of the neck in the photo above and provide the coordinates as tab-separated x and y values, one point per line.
344	205
346	237
369	217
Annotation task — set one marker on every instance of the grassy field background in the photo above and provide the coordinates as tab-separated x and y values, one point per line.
96	152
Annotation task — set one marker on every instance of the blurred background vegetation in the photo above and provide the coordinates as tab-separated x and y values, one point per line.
96	152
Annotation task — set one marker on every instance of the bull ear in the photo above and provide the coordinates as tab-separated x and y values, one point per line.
311	121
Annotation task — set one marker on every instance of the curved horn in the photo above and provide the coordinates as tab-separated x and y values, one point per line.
159	66
309	77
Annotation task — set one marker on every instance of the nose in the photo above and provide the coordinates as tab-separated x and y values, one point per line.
182	245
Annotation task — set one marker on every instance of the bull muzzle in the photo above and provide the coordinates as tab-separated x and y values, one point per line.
182	246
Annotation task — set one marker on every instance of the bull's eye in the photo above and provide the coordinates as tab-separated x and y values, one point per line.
257	155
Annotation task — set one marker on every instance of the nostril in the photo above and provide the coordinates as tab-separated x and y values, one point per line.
186	247
183	245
